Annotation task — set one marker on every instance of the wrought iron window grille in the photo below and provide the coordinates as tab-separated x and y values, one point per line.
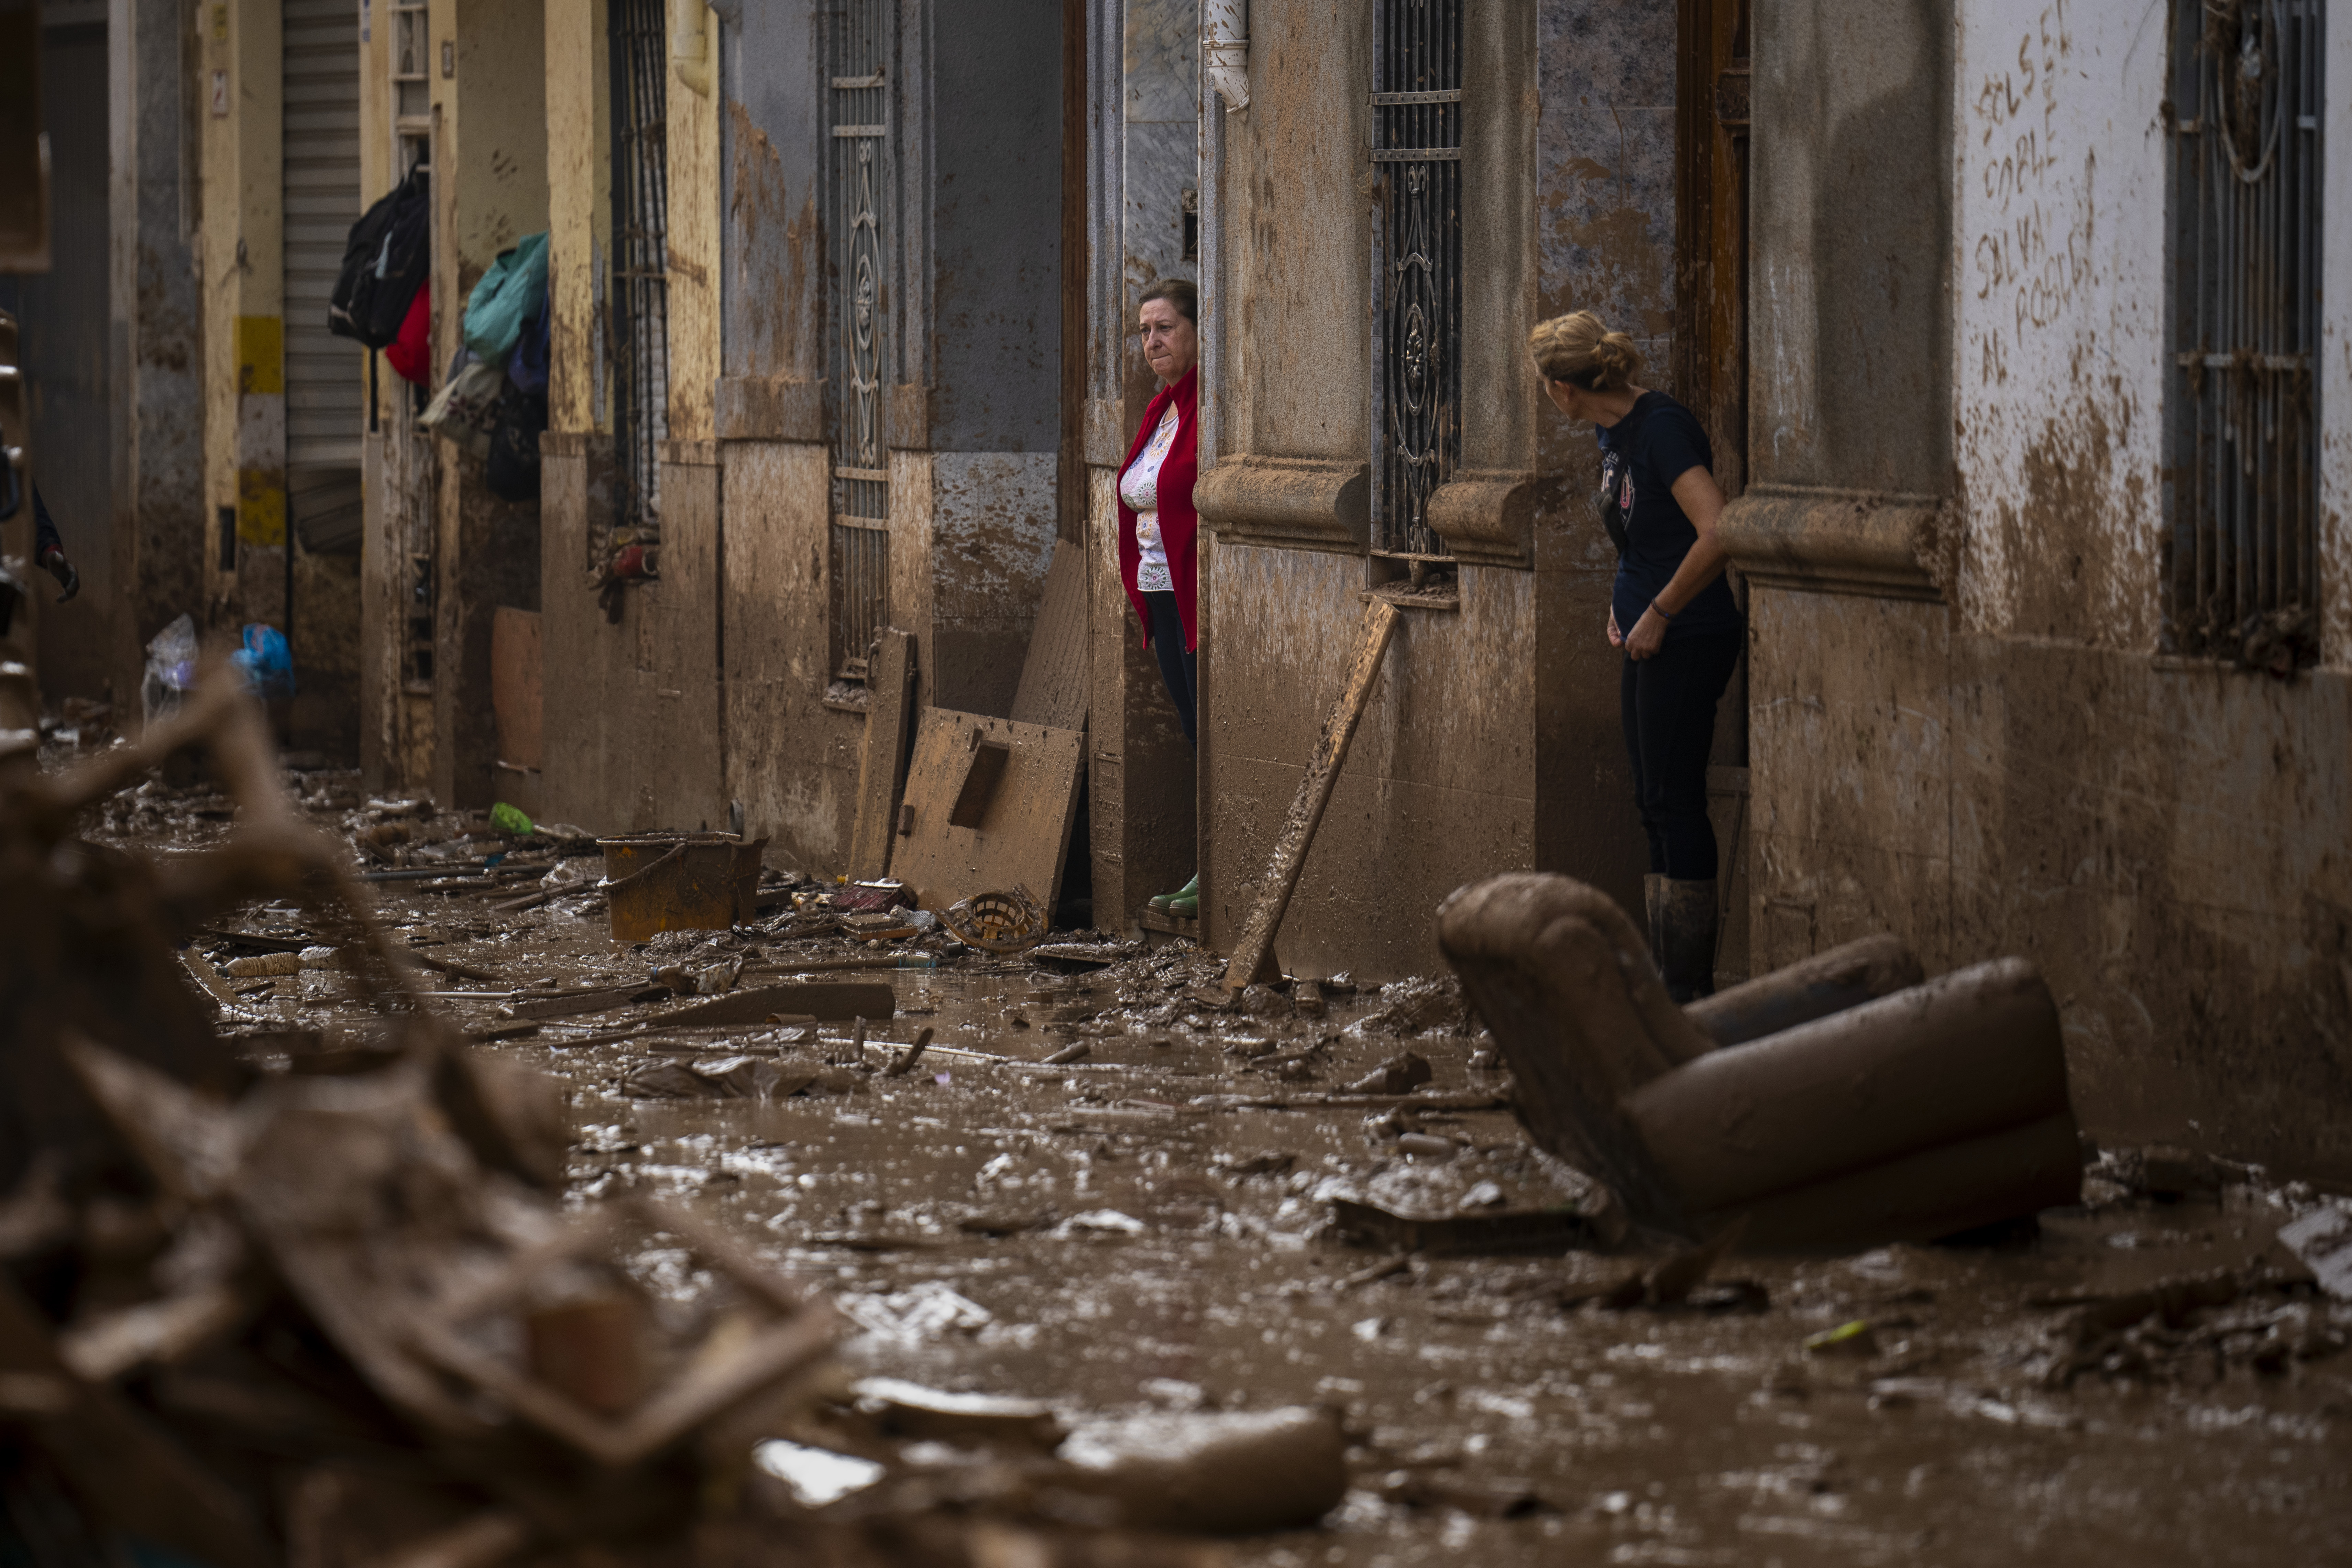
858	200
1416	105
640	259
2241	567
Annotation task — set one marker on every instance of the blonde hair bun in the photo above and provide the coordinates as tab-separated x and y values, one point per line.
1580	349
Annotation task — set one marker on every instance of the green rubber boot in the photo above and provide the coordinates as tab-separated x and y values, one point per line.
1184	903
1159	902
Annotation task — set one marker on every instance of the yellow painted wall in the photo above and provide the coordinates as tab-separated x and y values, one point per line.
580	209
241	251
489	146
693	263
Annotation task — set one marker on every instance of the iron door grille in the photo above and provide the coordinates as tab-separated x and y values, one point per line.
859	201
640	290
2241	572
1417	352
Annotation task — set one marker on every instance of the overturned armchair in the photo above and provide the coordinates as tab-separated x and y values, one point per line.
1841	1103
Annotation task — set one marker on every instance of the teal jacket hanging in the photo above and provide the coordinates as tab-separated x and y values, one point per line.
509	295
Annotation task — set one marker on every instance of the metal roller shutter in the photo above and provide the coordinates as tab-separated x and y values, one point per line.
325	387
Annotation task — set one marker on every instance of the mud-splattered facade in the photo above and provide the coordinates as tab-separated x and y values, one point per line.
1969	721
865	420
1493	739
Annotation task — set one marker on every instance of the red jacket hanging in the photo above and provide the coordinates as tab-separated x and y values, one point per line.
1178	524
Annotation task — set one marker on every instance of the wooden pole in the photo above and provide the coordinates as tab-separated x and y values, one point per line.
1306	814
889	718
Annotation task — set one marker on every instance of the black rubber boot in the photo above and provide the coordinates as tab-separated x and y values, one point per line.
1686	944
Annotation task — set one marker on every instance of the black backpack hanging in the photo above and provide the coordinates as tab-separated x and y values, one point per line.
386	261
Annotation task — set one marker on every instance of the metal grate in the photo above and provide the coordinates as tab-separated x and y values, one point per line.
2242	560
861	593
640	292
1417	154
859	199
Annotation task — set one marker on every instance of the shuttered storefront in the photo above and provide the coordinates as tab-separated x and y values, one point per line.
325	378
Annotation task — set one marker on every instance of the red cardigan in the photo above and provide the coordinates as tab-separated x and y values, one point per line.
1178	521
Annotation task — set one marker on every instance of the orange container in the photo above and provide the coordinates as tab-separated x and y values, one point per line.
679	882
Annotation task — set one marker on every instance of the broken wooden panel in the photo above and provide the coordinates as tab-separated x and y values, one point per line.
882	769
515	685
1022	835
1054	676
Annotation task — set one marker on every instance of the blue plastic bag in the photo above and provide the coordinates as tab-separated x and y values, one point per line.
265	661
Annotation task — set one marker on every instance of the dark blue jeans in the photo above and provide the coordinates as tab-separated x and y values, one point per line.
1180	669
1668	704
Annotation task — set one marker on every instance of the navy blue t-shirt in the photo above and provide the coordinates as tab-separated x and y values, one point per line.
1642	456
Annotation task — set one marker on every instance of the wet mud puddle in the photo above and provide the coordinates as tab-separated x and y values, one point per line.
1152	1225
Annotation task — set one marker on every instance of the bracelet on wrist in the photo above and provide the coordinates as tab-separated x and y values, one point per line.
1661	610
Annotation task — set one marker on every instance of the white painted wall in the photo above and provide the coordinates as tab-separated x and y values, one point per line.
2336	351
2062	250
2058	291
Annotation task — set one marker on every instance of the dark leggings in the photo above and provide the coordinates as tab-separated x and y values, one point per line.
1668	701
1180	669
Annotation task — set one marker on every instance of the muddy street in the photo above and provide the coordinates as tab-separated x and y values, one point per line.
1105	1185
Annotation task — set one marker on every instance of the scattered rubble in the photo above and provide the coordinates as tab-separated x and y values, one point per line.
1062	1293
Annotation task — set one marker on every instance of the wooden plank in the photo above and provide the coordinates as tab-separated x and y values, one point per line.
832	1000
890	692
1055	675
1306	814
1021	837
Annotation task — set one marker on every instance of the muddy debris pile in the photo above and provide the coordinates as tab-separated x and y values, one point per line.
341	1312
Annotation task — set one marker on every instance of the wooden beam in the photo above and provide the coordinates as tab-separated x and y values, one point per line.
889	721
1256	945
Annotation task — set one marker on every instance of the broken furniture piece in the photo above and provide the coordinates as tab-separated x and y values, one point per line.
1934	1109
679	882
988	806
1001	924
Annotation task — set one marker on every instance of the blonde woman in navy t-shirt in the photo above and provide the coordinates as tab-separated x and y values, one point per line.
1671	612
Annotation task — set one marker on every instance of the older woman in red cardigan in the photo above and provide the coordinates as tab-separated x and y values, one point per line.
1155	520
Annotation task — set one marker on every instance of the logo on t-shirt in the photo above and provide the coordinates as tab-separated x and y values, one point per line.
1617	472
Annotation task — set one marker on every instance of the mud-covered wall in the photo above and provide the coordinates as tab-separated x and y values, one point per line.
1987	752
990	352
490	189
237	75
157	305
791	760
1440	782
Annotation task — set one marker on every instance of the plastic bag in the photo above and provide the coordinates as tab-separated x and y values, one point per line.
267	663
466	408
508	297
170	669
